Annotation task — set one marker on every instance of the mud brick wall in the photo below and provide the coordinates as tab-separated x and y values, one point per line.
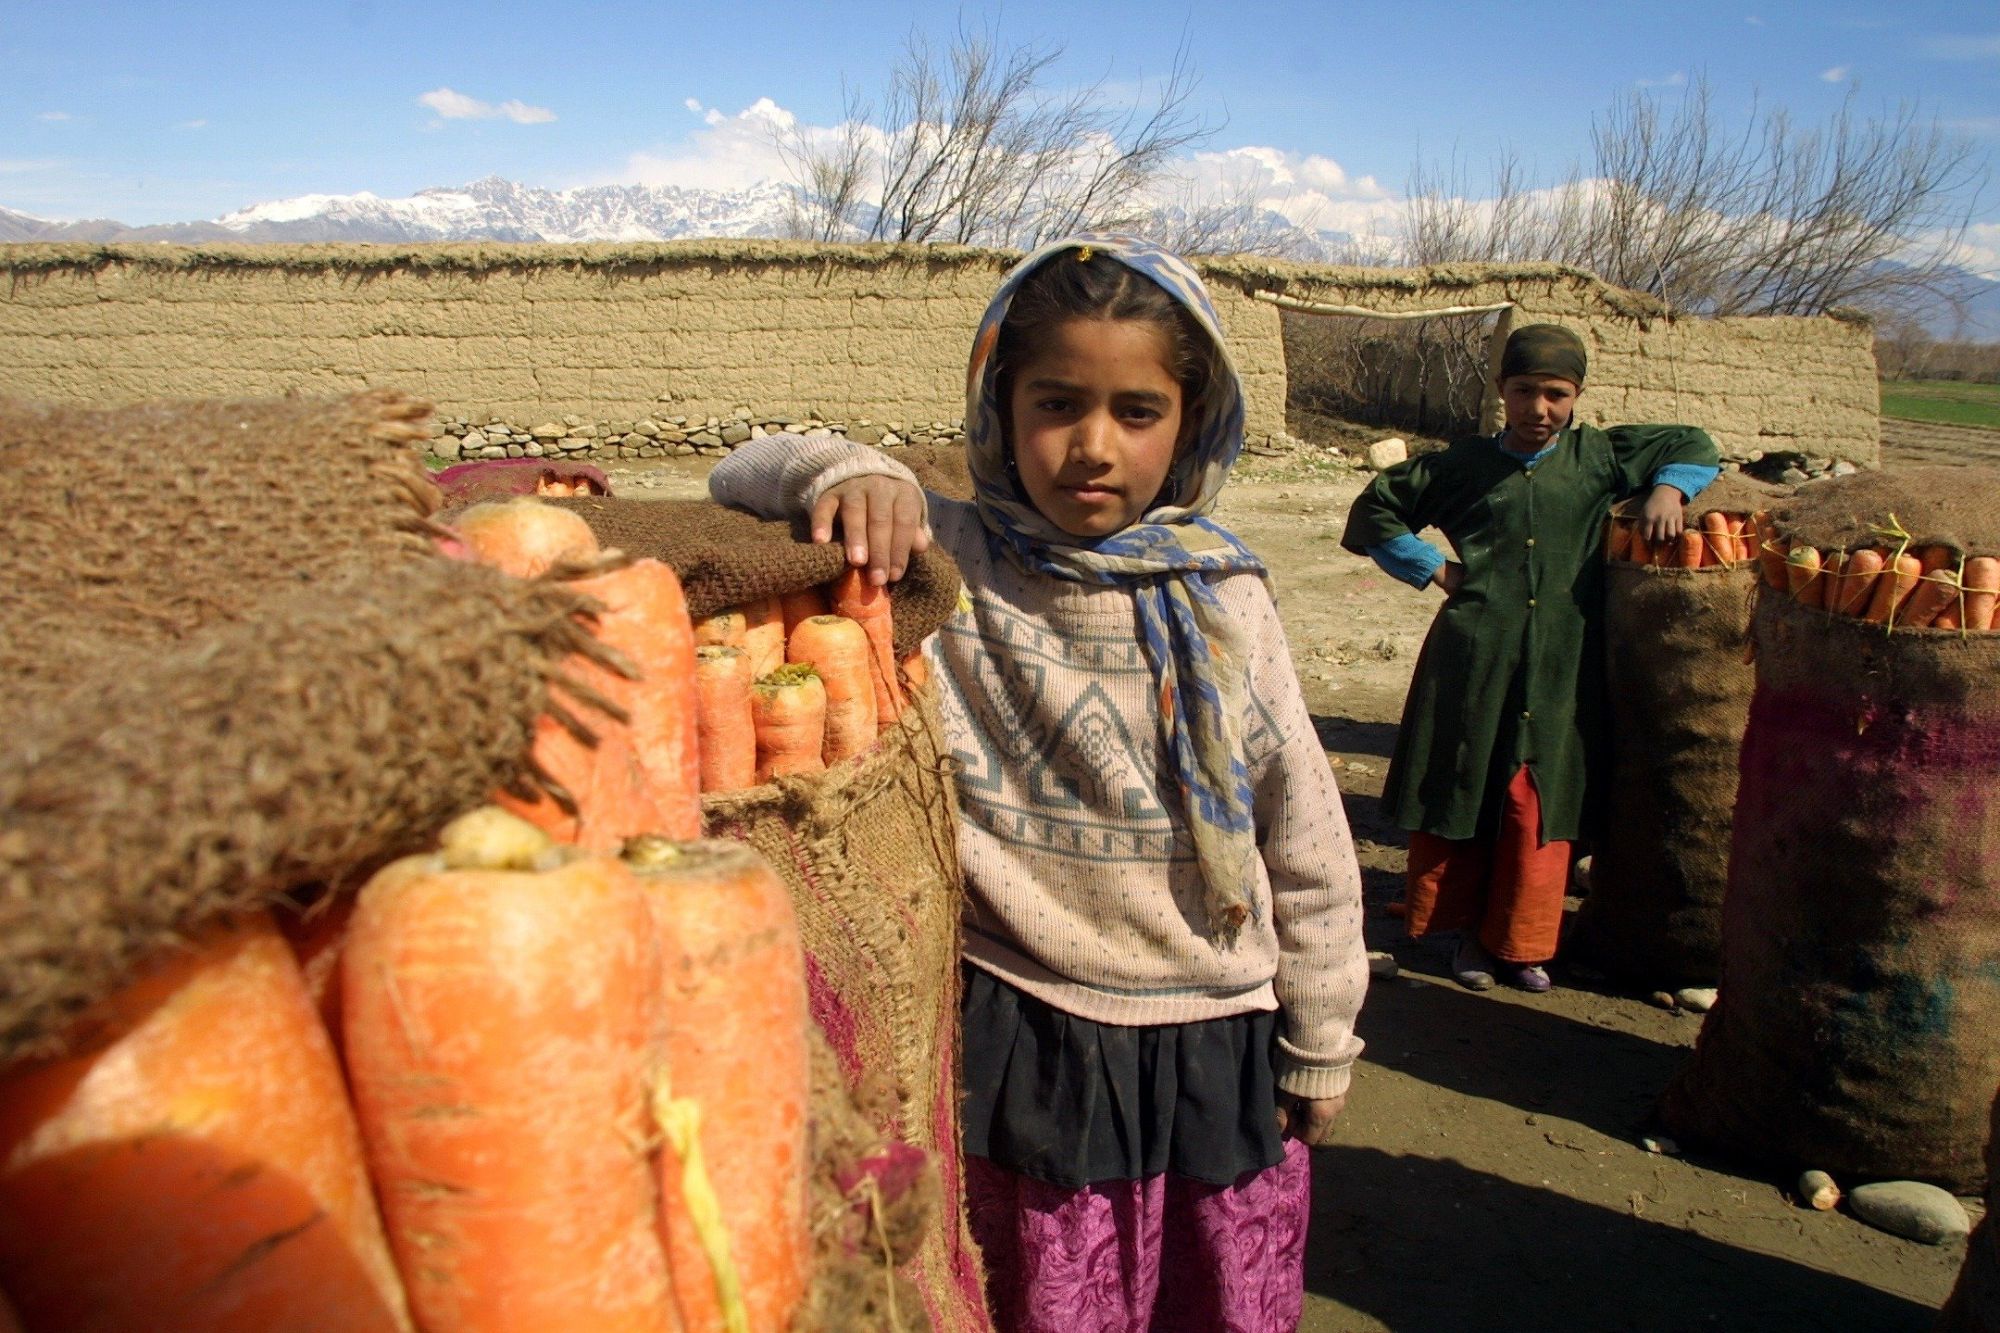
707	329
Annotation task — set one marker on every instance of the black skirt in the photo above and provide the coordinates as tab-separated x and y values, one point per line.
1073	1102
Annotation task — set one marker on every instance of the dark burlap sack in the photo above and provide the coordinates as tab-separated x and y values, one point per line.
1935	506
330	728
1860	997
1974	1306
725	558
474	483
1679	695
144	523
939	467
870	851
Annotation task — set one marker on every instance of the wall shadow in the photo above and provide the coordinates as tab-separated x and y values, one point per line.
1519	1054
1425	1244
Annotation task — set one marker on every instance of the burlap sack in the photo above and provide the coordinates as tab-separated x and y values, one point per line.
330	728
1974	1306
725	558
145	523
1679	693
870	850
1860	998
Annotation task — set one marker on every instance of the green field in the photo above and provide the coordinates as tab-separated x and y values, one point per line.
1950	401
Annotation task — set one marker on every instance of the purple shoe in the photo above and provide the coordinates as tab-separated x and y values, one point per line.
1531	977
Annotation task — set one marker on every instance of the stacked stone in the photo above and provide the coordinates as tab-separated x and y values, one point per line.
571	437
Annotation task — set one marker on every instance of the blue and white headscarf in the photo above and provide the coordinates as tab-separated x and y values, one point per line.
1167	560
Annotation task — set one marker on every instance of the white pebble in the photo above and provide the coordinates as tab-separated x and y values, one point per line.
1817	1190
1660	1145
1701	999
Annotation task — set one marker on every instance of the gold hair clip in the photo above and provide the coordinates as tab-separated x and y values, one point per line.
1083	254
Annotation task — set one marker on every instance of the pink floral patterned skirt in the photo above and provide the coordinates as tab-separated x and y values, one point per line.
1161	1255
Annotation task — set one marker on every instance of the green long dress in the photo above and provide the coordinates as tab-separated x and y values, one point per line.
1510	673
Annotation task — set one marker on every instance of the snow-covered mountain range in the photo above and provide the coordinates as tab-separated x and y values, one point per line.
487	210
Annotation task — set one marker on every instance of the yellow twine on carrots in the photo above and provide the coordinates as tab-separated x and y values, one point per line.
679	1119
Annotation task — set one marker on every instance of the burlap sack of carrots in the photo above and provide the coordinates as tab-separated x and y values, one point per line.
1854	1032
868	847
1974	1305
144	523
1679	695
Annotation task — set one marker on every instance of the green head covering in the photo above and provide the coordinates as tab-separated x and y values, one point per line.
1544	349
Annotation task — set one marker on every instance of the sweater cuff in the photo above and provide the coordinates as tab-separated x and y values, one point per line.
1408	557
810	484
1313	1082
1690	479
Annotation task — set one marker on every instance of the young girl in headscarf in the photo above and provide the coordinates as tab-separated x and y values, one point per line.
1163	927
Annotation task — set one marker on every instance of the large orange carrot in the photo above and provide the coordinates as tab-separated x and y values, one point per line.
1857	580
1617	539
1802	574
1691	551
764	635
1718	542
1893	587
1982	591
1642	550
316	938
868	606
838	650
503	1024
195	1166
642	775
1770	550
731	1098
1936	591
788	708
525	537
1745	534
723	722
1833	585
801	605
646	619
724	629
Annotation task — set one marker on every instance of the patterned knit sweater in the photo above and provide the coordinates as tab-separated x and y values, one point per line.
1081	881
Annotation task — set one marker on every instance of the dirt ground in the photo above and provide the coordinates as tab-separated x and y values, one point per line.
1488	1170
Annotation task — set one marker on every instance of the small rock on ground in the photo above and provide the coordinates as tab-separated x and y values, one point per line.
1701	999
1911	1209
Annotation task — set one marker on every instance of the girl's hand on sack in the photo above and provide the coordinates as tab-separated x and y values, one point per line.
1308	1119
881	521
1449	576
1662	518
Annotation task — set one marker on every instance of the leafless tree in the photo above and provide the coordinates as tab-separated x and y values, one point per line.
1774	219
970	145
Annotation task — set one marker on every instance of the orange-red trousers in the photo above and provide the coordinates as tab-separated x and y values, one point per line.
1509	887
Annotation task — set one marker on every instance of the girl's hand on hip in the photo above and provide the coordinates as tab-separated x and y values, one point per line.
1661	520
1308	1119
1449	576
881	522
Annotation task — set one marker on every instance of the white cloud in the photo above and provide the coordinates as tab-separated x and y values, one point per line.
1677	79
1954	47
1753	20
192	125
1838	74
693	104
1306	189
53	116
452	105
24	166
730	152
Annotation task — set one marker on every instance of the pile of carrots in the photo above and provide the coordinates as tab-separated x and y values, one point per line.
1898	587
565	1055
1715	540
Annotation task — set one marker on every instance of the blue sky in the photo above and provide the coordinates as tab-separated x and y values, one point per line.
151	113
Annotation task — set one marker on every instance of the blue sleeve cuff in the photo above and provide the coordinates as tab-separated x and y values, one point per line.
1690	479
1408	557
